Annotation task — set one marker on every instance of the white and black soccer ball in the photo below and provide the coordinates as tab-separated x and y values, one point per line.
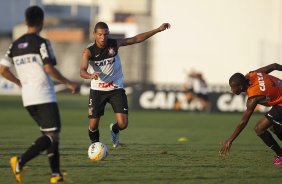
97	151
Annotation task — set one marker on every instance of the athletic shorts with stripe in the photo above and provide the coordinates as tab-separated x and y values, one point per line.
274	115
98	100
47	116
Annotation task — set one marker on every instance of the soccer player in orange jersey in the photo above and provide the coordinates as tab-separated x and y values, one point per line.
263	89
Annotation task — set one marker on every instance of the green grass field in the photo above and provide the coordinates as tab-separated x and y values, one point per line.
151	153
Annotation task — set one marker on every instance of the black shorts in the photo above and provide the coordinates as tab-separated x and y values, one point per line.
98	100
47	116
275	115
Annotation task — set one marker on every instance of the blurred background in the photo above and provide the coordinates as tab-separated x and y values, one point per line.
213	38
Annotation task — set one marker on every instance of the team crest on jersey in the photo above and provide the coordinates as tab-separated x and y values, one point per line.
22	45
111	51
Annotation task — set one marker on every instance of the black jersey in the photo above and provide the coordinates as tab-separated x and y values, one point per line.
28	54
107	61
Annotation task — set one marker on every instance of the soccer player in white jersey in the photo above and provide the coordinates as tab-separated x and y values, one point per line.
105	72
33	59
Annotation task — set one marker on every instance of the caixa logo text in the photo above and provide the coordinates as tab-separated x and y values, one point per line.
228	102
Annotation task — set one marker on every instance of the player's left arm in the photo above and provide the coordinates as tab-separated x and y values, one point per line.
49	62
270	68
55	74
143	36
251	105
7	74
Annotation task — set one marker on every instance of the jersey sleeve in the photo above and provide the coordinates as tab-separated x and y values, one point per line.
114	43
7	59
46	53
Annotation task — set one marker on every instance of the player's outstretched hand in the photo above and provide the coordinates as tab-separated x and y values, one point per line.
72	87
225	147
164	26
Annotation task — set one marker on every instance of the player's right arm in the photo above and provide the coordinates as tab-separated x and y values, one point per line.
251	105
270	68
55	74
84	66
5	64
7	74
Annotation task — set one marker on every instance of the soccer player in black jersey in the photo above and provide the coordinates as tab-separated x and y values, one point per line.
101	63
34	61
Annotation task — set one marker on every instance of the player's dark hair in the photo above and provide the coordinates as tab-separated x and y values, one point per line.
101	25
239	79
34	16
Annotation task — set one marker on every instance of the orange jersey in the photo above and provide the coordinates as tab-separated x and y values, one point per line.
265	85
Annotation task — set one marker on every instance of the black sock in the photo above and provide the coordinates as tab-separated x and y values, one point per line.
270	142
94	135
277	130
279	135
41	144
54	157
115	128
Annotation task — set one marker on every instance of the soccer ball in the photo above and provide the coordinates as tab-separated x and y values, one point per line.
97	151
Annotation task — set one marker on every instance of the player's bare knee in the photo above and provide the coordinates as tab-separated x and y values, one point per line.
93	124
122	125
92	128
258	130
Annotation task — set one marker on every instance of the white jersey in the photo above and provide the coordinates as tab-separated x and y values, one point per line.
107	62
28	54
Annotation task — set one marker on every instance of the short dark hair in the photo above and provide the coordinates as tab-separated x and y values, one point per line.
101	25
34	16
238	79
